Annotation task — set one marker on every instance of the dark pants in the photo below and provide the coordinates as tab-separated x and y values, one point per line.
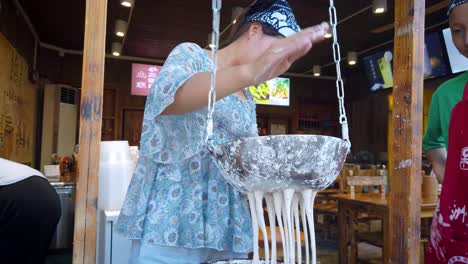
29	213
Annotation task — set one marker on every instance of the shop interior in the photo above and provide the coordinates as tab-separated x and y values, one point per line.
41	85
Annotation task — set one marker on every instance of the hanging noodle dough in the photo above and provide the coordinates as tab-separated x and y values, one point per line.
261	220
288	197
272	222
284	205
309	196
304	224
256	257
297	226
278	202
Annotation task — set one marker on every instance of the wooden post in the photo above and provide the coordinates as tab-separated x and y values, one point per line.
405	183
84	244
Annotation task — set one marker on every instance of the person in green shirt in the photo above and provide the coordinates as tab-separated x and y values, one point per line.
435	140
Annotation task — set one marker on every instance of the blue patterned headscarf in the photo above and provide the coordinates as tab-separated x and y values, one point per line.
455	3
275	13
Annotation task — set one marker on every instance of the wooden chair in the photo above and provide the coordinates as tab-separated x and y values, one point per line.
376	237
368	181
365	233
326	209
347	171
359	171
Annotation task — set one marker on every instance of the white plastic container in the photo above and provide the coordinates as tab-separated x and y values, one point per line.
115	173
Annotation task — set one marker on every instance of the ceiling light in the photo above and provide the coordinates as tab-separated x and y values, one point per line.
379	10
352	58
317	70
120	27
210	41
379	6
116	48
127	3
236	12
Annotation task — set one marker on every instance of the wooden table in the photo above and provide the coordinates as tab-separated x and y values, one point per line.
329	191
349	208
327	194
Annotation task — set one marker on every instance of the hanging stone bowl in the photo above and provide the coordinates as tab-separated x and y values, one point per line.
274	163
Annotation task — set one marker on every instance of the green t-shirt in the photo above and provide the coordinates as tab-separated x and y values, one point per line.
443	100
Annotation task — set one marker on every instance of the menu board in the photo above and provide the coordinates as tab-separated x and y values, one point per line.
273	92
379	69
143	77
379	66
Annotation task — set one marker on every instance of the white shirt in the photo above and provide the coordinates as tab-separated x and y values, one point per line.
12	172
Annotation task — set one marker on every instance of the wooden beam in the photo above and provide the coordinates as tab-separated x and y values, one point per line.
84	243
405	183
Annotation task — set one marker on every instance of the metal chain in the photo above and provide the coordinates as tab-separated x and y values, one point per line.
216	6
339	80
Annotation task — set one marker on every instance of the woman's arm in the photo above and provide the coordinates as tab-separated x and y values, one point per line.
193	94
438	158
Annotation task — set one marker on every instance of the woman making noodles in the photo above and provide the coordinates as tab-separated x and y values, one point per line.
178	207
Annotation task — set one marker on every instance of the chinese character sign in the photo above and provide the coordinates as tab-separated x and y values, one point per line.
17	107
143	77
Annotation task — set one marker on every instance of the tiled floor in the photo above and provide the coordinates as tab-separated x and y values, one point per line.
367	254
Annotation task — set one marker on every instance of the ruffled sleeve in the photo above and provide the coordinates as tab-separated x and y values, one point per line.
173	138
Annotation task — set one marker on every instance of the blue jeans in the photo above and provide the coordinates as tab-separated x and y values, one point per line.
142	253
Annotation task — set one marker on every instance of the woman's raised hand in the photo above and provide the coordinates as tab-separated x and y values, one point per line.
285	51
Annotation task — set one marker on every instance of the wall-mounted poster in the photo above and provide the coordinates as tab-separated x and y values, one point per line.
17	107
143	76
273	92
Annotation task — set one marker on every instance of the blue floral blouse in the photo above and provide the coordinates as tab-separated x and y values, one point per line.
177	196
